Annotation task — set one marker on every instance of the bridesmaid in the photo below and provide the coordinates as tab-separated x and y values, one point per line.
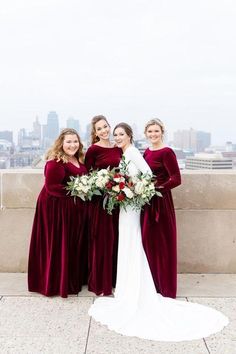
57	256
103	228
158	219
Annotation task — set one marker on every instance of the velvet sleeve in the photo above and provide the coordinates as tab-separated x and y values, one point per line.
89	159
171	165
54	176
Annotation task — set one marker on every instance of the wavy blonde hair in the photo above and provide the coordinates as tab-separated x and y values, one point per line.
56	151
96	119
155	121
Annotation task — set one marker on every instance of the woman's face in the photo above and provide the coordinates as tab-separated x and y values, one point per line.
154	134
70	144
121	138
102	130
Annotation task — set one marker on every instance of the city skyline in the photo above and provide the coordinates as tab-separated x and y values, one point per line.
131	61
138	134
191	146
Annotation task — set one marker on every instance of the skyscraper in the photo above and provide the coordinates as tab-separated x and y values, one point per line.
192	140
52	125
73	123
37	129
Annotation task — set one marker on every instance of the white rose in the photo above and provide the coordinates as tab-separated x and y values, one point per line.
84	179
116	188
135	179
139	188
102	172
91	181
119	179
85	189
101	181
128	192
80	185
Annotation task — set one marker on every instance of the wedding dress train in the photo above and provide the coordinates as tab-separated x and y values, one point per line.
136	308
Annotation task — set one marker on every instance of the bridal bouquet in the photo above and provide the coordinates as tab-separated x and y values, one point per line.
123	190
119	188
84	186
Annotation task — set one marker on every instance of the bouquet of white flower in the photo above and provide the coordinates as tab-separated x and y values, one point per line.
84	186
144	189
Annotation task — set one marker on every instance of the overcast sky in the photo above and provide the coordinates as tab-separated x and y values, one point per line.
129	60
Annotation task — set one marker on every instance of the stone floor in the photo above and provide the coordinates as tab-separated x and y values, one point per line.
30	323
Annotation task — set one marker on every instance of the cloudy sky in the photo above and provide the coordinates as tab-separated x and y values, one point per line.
129	60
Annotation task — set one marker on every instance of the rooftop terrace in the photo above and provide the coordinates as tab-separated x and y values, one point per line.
30	323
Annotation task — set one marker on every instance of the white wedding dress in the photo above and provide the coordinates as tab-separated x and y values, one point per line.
136	308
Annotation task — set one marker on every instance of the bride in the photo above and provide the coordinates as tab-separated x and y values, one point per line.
136	308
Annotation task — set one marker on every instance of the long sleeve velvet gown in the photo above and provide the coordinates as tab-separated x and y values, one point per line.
58	251
103	228
158	222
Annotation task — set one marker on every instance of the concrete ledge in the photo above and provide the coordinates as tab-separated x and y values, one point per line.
15	234
206	219
206	190
20	189
206	241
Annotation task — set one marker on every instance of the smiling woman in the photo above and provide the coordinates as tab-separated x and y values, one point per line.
158	221
103	228
57	257
123	135
71	145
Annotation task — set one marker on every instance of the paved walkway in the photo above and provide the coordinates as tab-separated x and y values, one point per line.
30	323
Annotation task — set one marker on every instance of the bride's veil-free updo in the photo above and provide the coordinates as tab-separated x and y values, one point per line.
127	128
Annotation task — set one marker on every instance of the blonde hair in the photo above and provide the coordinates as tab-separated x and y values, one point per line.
95	120
127	128
155	121
56	151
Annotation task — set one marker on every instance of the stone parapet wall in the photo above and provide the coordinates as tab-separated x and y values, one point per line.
205	209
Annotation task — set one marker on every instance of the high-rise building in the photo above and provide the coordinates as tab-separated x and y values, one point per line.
73	123
46	142
37	129
5	153
192	140
52	125
28	141
21	137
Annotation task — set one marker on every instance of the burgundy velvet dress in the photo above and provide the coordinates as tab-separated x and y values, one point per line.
58	251
158	222
103	228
